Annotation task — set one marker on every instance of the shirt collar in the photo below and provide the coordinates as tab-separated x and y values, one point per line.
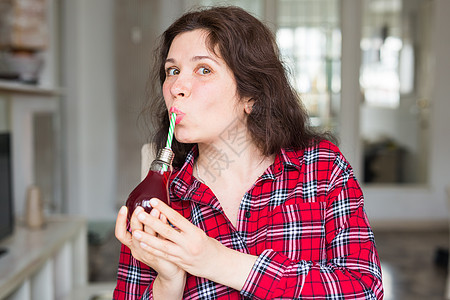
184	184
290	157
183	179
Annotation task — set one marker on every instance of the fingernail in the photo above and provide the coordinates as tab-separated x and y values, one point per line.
154	213
137	234
141	216
153	202
123	210
143	245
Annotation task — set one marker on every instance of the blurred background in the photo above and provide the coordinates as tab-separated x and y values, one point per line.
73	78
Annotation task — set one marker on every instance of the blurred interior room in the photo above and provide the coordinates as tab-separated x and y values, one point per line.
73	83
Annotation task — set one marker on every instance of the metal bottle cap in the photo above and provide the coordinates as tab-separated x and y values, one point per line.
165	155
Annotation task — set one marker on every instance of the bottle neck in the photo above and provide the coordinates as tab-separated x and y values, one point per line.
165	155
163	161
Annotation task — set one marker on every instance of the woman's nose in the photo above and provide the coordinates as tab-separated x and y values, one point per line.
181	88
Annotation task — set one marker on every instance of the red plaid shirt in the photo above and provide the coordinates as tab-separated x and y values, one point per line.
303	218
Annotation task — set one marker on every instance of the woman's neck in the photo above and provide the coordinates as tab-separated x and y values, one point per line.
226	162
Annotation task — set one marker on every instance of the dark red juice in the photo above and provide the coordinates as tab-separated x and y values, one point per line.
153	186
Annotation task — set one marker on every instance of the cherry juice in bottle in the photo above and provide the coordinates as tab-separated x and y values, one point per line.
154	185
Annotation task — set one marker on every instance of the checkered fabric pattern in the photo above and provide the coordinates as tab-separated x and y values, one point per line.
304	219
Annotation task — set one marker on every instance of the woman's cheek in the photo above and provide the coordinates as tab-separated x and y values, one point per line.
166	95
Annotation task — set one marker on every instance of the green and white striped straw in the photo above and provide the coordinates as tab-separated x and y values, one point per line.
173	117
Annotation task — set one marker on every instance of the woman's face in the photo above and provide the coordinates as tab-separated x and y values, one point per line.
201	89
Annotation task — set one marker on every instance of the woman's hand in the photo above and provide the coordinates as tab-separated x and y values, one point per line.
167	271
188	247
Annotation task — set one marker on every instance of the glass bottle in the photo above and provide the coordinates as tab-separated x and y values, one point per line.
154	185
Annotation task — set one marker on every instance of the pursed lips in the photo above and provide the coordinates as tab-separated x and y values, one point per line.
179	113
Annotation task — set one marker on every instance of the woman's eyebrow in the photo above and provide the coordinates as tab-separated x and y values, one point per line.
200	57
170	60
195	58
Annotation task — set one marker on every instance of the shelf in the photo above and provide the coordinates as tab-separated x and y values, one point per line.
46	263
21	88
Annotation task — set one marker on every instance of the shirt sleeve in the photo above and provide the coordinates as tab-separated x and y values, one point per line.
134	279
351	269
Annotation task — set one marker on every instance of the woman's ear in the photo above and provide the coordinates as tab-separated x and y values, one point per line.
248	105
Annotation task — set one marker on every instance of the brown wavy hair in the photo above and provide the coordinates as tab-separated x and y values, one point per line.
277	119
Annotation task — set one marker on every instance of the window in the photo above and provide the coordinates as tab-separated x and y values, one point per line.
396	86
309	38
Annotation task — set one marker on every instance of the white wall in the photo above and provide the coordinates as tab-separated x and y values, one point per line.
89	107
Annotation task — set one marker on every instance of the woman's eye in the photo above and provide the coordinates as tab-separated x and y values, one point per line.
172	71
204	71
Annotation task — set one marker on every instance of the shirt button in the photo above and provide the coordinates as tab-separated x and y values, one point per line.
248	214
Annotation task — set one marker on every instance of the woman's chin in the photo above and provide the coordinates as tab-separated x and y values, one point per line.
185	139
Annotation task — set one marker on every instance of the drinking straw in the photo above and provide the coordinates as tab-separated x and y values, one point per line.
173	117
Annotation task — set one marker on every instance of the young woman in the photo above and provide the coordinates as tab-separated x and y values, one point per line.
262	207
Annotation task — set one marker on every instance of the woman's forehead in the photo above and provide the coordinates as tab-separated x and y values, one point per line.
204	38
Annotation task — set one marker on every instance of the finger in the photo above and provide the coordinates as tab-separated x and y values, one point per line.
161	228
163	218
172	216
157	246
148	229
121	231
155	213
158	253
135	224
